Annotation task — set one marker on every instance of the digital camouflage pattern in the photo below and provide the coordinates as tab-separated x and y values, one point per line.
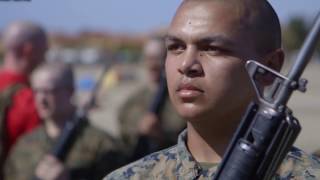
134	109
92	155
177	163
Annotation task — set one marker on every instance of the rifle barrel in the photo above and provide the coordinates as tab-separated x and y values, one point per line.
303	59
306	52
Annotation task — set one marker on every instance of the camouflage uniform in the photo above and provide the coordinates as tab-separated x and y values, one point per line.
91	156
134	109
177	163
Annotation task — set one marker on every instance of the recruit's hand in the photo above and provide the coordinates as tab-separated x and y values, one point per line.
150	126
50	168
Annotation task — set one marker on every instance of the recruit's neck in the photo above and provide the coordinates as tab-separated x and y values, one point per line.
208	140
54	127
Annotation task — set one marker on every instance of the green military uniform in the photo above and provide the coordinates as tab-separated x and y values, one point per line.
177	163
91	156
5	102
134	109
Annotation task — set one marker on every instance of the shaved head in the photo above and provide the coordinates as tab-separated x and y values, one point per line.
256	18
53	86
18	33
154	54
155	46
58	73
208	43
25	46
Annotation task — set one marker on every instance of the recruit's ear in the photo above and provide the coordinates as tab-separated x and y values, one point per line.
273	60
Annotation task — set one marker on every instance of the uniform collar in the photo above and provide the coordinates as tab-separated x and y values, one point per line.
190	167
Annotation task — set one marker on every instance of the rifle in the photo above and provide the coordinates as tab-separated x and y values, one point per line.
144	144
160	97
268	128
72	127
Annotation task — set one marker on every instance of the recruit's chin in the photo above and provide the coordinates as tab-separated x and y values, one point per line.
191	112
45	114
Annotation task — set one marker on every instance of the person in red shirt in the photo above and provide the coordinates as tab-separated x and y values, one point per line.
25	44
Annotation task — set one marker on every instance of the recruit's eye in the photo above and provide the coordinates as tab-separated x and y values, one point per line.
212	50
175	48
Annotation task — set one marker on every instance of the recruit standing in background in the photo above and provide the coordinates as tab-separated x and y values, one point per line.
25	45
92	153
135	120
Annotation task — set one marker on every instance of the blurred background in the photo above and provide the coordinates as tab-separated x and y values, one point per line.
95	34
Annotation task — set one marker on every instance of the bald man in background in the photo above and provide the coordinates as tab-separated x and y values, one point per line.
135	119
91	154
25	44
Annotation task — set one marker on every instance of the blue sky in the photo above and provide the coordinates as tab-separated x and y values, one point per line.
119	15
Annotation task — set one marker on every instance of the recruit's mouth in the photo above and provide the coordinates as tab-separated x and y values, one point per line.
188	91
